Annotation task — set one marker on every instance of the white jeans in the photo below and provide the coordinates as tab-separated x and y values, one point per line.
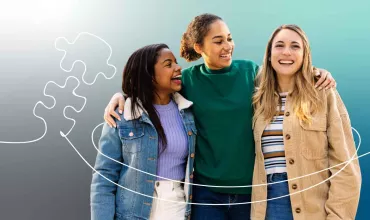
163	210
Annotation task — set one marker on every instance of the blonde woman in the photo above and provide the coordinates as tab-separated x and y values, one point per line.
300	130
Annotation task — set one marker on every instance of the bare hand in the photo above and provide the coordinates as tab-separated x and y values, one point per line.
109	111
326	80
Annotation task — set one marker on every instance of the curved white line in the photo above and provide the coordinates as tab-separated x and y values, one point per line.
51	107
76	110
214	186
80	61
210	204
74	93
101	73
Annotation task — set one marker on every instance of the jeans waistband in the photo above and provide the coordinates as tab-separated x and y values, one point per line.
166	184
275	177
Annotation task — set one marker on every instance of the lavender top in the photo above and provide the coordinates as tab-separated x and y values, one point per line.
172	161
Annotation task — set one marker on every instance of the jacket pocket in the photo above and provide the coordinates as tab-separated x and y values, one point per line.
314	142
190	127
131	139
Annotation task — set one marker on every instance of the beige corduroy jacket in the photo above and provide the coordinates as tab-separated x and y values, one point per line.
323	144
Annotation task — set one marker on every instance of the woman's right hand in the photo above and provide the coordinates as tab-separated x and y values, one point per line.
109	111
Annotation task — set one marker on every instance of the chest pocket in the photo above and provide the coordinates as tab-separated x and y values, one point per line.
131	138
314	143
189	122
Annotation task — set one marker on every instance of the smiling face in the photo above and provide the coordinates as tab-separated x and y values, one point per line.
287	52
167	73
218	46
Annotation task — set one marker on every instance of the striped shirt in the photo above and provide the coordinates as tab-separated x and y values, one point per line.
273	143
172	160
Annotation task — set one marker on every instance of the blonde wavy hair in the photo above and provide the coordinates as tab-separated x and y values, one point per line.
305	98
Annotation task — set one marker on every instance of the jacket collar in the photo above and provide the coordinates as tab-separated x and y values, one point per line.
181	102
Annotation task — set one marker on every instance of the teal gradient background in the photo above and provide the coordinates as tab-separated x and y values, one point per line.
49	170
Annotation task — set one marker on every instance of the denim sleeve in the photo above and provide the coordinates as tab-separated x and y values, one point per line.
103	192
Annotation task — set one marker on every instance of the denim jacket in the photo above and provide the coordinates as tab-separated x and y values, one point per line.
135	143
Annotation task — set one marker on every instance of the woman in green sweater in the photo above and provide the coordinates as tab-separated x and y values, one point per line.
221	90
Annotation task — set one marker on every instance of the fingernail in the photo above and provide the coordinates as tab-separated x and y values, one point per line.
120	111
119	119
114	125
110	126
316	86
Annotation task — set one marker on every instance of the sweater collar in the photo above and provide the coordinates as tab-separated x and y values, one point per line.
181	102
219	71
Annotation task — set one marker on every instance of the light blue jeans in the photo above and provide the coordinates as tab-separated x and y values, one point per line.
278	209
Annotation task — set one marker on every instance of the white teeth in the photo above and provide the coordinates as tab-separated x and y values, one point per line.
286	61
177	77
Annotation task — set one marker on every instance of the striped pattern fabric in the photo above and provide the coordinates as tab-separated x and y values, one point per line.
273	143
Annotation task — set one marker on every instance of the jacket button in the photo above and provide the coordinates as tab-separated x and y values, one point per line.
298	210
190	133
157	184
287	136
287	114
294	186
191	176
191	197
291	161
192	155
